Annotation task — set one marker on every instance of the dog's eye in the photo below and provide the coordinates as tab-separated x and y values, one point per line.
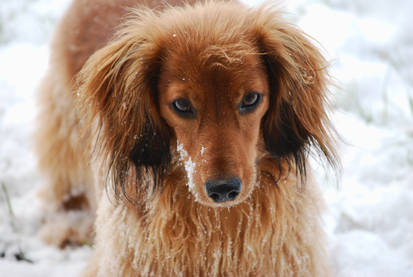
183	107
249	102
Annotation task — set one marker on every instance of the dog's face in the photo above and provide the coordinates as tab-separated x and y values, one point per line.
216	89
215	111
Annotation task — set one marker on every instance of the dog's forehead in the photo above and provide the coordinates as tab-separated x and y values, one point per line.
216	73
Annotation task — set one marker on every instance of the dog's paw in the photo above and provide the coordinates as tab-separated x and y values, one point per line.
67	228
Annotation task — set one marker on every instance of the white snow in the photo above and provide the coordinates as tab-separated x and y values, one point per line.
189	166
369	220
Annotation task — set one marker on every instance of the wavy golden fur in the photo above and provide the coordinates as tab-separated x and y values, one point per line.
116	151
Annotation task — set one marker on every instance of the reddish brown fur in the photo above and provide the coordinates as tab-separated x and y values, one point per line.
117	127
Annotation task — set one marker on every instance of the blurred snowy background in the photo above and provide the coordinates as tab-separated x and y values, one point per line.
370	212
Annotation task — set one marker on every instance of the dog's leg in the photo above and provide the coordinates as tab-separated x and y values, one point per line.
67	190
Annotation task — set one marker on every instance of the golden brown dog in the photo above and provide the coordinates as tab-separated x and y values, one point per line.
182	131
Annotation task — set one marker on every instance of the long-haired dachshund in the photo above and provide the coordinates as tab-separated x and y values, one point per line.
176	135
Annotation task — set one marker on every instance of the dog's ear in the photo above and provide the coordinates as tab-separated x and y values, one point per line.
297	117
117	88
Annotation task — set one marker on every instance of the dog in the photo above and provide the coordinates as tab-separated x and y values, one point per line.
176	135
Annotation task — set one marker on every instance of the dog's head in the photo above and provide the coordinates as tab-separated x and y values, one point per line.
218	87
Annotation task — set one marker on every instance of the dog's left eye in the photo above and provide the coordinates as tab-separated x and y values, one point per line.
183	107
249	102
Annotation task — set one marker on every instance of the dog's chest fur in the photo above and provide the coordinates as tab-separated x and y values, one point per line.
272	232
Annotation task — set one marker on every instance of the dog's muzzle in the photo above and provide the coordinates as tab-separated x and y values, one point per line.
223	190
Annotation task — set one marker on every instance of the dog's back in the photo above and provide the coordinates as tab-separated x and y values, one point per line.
85	27
89	24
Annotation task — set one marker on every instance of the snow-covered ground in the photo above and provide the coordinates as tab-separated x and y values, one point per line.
370	211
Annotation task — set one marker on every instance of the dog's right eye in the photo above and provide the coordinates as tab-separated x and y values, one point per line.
249	102
183	107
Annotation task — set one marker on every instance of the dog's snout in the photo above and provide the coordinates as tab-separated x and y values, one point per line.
223	190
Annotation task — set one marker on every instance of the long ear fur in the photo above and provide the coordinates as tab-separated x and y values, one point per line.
297	74
117	89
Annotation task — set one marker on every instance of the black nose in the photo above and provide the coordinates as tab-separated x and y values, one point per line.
223	190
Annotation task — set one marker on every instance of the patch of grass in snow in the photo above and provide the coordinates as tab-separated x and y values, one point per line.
21	257
18	253
410	158
411	104
9	206
385	97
